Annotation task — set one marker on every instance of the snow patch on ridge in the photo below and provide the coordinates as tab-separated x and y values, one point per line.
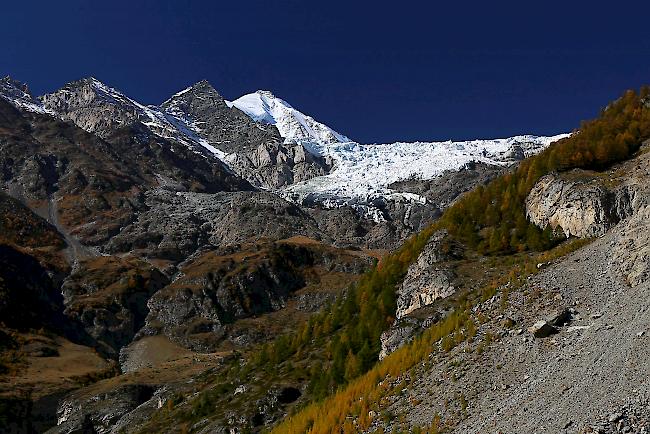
164	124
17	94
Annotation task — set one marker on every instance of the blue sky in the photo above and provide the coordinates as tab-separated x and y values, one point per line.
376	71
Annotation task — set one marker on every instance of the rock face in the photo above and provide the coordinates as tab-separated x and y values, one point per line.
631	252
542	329
101	412
576	207
256	151
276	165
586	204
94	107
108	297
403	332
426	279
176	224
201	107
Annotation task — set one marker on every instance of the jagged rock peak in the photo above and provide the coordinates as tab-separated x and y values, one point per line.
17	93
101	109
203	85
201	88
85	91
10	83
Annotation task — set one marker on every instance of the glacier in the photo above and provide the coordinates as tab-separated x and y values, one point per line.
362	171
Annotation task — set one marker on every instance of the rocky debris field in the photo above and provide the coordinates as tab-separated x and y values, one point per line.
589	370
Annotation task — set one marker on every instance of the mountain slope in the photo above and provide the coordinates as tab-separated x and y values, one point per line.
477	359
203	110
254	150
295	127
100	109
131	203
183	276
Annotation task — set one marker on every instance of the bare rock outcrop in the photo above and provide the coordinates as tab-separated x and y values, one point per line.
631	252
100	411
426	279
587	204
93	107
582	207
274	165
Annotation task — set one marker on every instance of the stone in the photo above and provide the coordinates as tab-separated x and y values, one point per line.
614	417
395	337
560	318
542	329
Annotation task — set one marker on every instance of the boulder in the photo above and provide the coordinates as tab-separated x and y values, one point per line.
560	318
542	329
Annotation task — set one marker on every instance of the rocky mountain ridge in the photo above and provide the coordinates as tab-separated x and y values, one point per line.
253	149
306	162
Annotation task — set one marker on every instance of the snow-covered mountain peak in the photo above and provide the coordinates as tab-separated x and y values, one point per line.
17	93
294	126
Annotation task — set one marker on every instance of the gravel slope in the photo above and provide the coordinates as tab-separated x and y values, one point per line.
593	374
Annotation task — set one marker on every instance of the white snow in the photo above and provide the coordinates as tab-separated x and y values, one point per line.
363	172
366	171
11	91
294	126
